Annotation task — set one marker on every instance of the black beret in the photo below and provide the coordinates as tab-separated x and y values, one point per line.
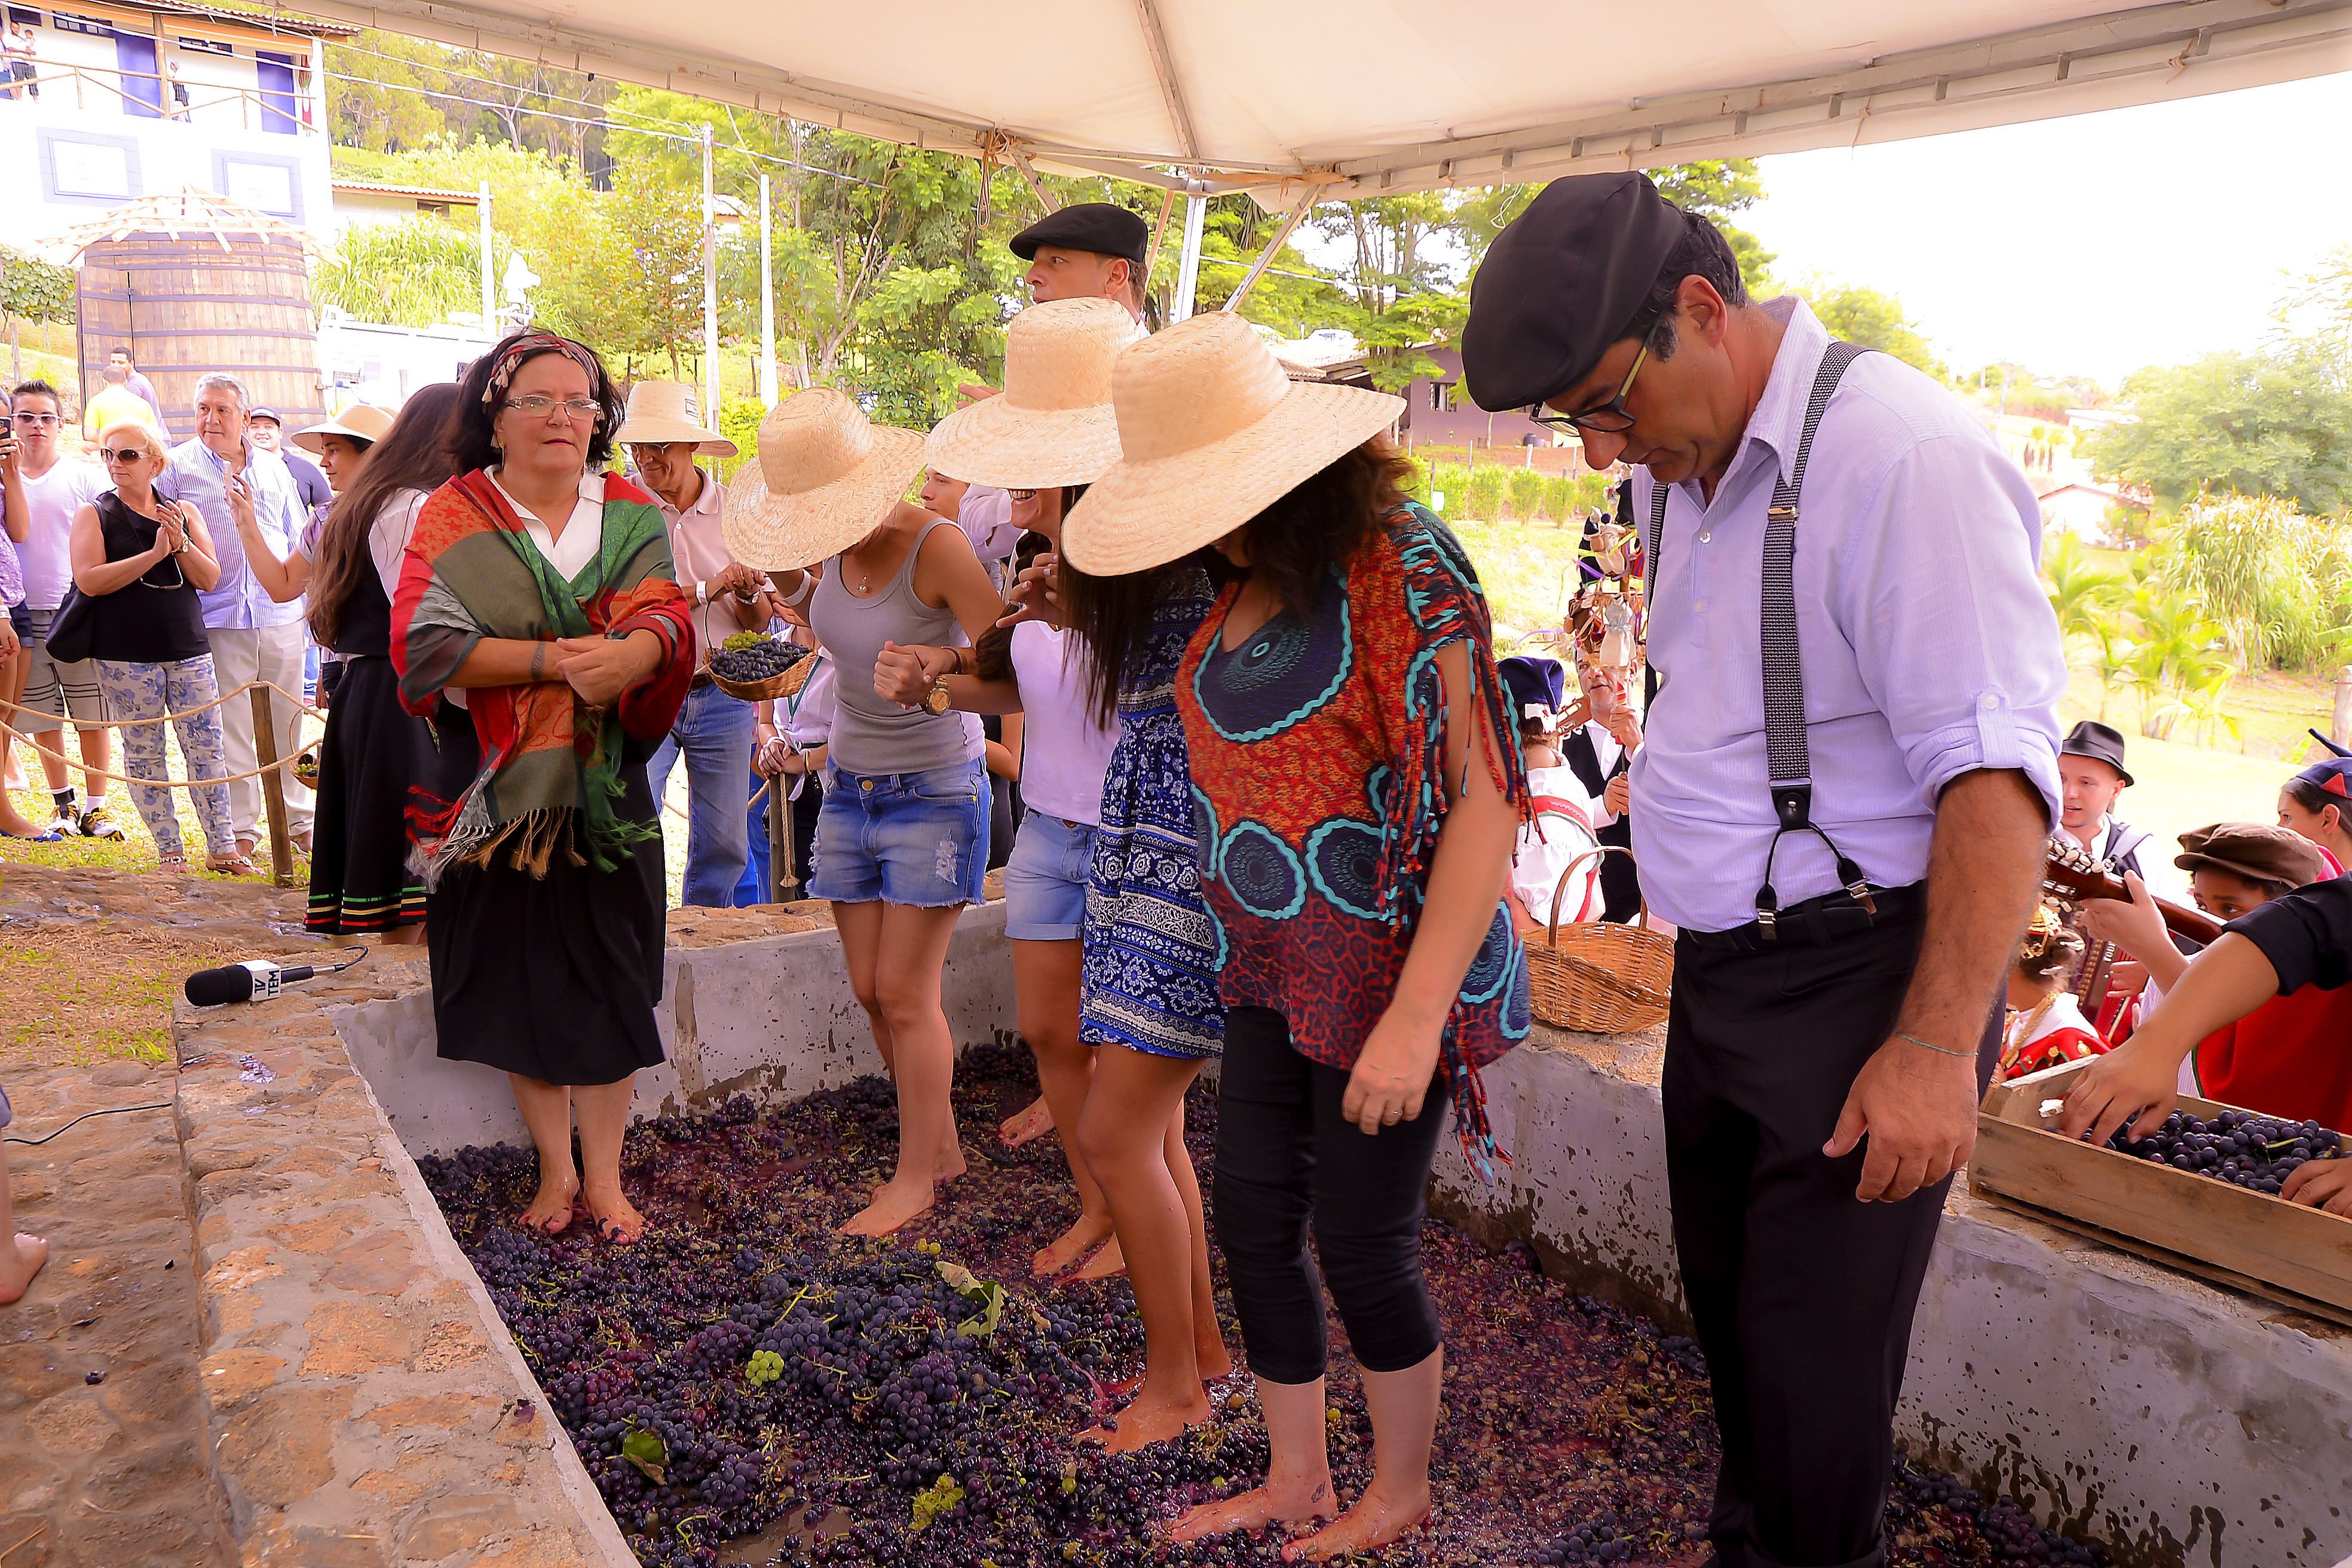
1561	283
1098	226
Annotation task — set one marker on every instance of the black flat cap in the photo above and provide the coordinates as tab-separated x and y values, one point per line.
1561	283
1098	226
2100	742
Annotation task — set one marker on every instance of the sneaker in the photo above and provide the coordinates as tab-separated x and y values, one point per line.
65	824
96	823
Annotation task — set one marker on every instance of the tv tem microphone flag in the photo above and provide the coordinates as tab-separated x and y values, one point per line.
255	980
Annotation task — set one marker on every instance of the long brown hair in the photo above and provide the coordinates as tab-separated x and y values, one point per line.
412	456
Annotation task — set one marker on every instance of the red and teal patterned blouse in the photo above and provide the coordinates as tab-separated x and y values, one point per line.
1316	751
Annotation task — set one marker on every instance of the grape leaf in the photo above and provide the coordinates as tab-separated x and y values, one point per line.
648	1452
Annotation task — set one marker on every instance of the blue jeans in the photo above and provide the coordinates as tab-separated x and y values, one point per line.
714	735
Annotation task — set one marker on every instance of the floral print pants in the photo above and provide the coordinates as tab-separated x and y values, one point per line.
149	691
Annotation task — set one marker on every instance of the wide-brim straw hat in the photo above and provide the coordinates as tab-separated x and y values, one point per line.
660	412
360	422
825	477
1211	432
1053	423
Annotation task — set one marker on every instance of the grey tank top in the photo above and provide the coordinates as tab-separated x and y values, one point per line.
872	734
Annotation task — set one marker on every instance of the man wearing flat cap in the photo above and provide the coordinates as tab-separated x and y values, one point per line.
1088	249
1846	786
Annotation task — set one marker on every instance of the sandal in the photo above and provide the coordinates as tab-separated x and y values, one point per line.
171	865
232	866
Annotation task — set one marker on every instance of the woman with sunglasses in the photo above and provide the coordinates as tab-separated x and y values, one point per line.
141	561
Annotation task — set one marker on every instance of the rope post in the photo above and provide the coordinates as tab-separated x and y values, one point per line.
273	789
783	876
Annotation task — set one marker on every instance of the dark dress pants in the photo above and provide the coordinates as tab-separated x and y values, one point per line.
1802	1295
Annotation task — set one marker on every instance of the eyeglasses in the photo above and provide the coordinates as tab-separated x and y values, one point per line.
36	419
539	406
1608	419
121	455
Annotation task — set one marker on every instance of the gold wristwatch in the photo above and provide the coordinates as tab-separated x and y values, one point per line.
936	700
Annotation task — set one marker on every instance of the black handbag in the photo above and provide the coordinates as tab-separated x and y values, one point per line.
73	630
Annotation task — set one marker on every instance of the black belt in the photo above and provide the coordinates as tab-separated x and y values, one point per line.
1817	921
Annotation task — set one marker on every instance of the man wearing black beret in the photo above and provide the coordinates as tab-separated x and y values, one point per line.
1848	777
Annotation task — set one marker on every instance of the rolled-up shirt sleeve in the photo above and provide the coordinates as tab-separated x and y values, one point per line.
1953	632
2306	934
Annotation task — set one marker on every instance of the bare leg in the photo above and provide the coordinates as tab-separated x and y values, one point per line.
1297	1487
604	1118
96	745
51	744
403	936
1404	1406
1046	980
21	1256
922	1063
547	1112
1134	1095
1028	1124
13	671
1208	1339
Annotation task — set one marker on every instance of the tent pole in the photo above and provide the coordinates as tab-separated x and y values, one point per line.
1273	246
710	287
1029	174
1187	267
767	304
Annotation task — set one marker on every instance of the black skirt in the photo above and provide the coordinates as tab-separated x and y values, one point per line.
556	977
373	752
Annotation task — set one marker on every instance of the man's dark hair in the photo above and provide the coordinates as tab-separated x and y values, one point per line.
1702	249
119	349
37	385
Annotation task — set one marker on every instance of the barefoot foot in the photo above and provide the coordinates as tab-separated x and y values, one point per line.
1209	1353
1254	1510
617	1219
1028	1125
1107	1264
951	1162
1148	1420
550	1210
19	1261
894	1205
1087	1233
1375	1521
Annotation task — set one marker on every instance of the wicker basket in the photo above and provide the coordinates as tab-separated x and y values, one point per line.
1597	978
767	690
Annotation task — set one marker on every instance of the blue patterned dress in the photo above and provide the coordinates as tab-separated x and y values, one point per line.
1149	947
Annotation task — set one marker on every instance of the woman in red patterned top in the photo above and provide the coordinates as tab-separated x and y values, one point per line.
1358	785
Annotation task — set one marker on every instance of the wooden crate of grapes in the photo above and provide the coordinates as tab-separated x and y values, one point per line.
2239	1236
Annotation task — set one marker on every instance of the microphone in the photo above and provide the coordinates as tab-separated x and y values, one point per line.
257	980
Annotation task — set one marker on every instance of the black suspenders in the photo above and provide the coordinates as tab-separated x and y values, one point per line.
1784	671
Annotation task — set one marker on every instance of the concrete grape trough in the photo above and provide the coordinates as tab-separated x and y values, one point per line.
367	1407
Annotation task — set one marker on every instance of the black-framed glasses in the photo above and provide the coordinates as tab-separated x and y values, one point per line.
1610	419
36	419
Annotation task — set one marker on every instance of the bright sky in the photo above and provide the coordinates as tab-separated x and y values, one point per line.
2089	246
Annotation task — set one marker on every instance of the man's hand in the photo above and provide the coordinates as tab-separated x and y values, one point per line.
1918	1108
2322	1184
737	579
1619	796
1627	728
2129	1084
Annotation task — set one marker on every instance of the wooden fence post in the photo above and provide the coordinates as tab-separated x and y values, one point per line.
273	789
2339	725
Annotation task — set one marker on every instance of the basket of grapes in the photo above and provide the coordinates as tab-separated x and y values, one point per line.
753	666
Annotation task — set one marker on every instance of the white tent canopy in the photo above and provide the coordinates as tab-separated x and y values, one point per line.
1365	95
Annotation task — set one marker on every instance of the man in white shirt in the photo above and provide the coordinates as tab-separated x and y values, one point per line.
1846	783
253	637
714	732
45	488
1600	751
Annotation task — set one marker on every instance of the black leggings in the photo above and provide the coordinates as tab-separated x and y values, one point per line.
1284	1153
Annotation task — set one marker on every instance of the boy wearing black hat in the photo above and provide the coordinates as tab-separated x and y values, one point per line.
1856	719
2091	778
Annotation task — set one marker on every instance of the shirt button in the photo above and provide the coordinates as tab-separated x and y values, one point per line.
1699	606
1991	703
1707	536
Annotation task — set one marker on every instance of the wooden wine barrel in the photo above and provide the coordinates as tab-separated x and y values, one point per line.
185	307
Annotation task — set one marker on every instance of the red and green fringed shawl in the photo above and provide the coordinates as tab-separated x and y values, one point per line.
471	573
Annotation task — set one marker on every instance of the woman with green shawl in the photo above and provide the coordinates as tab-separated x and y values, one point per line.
538	595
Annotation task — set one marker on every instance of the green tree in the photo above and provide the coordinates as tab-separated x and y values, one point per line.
1870	317
415	273
376	91
2277	424
1403	292
2081	592
34	290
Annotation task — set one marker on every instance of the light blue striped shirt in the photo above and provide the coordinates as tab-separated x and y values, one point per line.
1931	649
199	476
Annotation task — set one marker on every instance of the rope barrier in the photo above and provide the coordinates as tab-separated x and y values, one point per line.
166	782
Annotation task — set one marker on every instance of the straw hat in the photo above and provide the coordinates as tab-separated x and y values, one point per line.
360	422
824	478
1211	432
1053	424
660	412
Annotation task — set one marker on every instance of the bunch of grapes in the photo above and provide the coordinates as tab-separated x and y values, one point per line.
765	1366
2257	1152
755	660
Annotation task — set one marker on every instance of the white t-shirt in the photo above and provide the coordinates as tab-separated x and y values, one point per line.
805	718
47	550
1065	750
395	520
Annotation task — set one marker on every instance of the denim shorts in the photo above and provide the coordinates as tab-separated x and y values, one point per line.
916	839
1045	880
